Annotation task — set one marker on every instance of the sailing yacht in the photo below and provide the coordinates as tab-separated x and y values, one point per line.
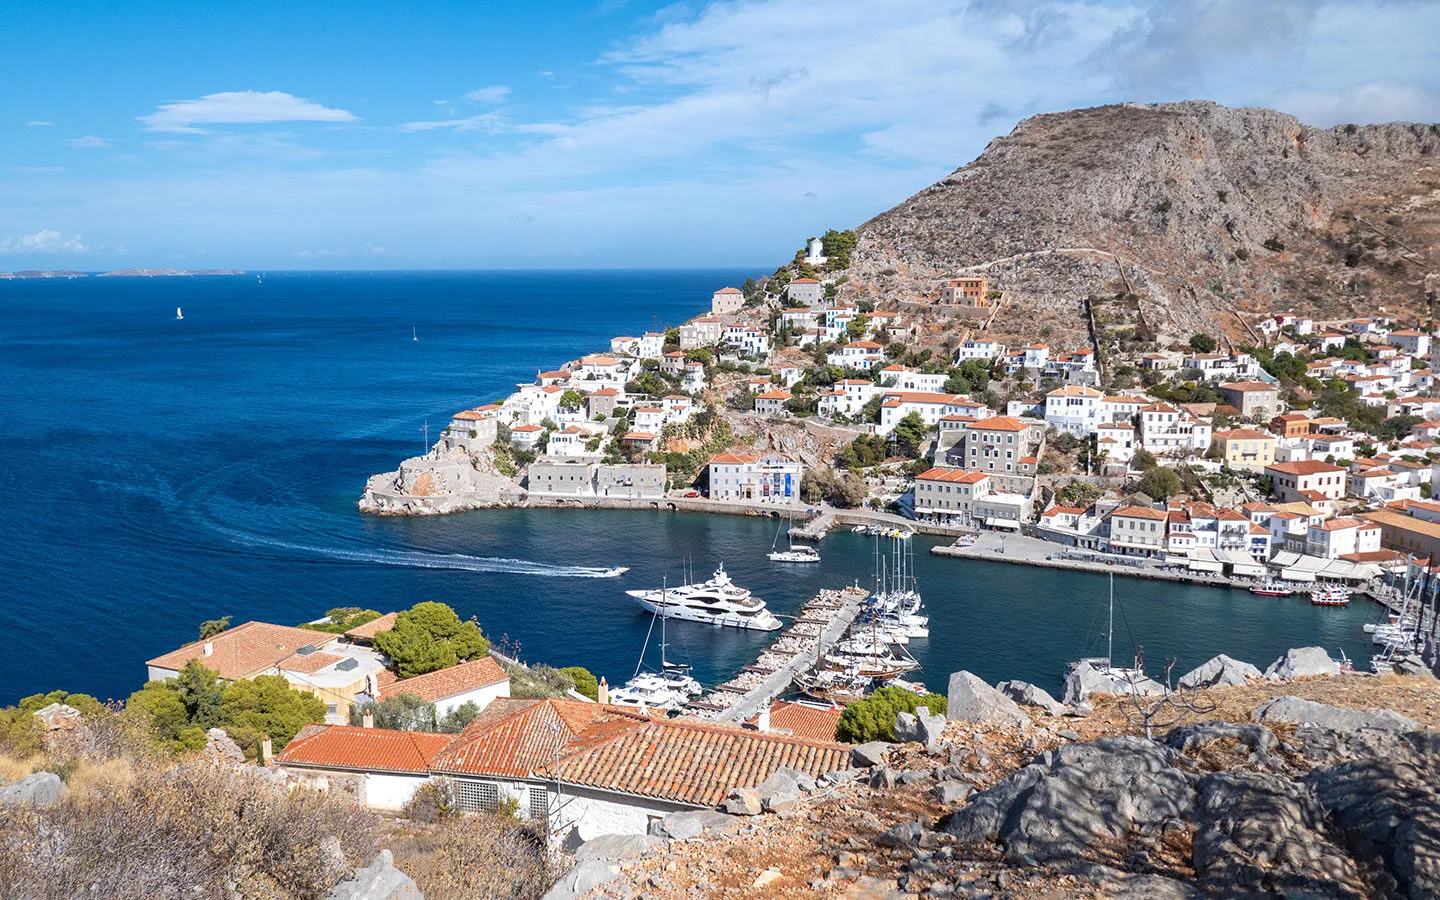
414	335
669	689
718	601
801	554
1120	677
178	313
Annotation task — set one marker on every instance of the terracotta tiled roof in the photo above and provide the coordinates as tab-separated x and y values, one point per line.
642	436
1247	386
1242	434
1074	390
774	395
728	290
802	720
1303	467
309	663
436	686
245	650
1063	511
375	626
999	423
958	476
1139	512
377	749
468	415
731	457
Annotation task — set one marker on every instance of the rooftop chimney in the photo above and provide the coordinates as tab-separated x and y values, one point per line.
368	720
604	693
267	751
764	721
209	648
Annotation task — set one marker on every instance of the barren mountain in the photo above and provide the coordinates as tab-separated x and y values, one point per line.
1194	208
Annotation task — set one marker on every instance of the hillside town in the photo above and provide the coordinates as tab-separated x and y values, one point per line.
1212	453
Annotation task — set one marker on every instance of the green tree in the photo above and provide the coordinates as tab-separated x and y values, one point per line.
85	704
838	247
456	719
343	618
1160	483
751	290
401	712
267	705
1143	460
20	733
865	451
430	636
1203	343
910	433
201	691
873	719
1078	493
212	627
159	703
855	328
572	399
585	681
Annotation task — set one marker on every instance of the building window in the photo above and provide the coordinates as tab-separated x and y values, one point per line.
477	796
539	804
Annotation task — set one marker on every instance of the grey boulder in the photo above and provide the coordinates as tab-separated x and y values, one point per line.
682	826
970	699
1261	741
1296	711
617	846
866	756
952	793
744	802
378	881
921	727
1220	671
41	790
1027	694
1301	661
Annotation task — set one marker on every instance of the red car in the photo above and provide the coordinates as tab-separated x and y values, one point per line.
691	495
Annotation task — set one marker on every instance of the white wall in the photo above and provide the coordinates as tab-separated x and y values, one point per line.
390	791
593	813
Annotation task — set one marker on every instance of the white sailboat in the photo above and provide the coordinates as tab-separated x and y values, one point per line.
669	690
414	335
178	313
801	554
1121	678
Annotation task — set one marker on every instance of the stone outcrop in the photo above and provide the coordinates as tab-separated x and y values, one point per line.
597	862
221	750
1089	678
1219	671
1027	694
41	790
682	826
922	727
1300	662
1296	711
865	756
378	881
441	482
970	699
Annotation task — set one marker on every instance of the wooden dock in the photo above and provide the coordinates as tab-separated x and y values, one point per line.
821	622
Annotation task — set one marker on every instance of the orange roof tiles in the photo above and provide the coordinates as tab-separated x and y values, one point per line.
460	679
374	626
958	476
802	720
728	290
773	395
1242	434
1304	467
1139	512
352	747
732	457
999	423
245	650
309	663
1247	386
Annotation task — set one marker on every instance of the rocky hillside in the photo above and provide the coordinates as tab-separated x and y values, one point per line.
1194	208
1317	786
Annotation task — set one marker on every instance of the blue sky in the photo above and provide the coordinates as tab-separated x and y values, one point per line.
597	134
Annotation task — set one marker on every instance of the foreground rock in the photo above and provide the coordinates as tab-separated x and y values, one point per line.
1300	662
41	790
970	699
1220	671
378	881
922	727
597	862
1294	710
1089	678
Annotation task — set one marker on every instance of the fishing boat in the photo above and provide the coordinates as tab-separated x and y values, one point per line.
178	313
1269	587
803	553
718	601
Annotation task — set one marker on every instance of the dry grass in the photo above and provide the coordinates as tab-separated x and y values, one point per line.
1418	698
464	857
15	769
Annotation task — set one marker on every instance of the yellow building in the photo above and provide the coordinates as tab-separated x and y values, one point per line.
1245	449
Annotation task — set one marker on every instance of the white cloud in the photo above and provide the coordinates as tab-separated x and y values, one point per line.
492	95
46	240
469	123
1388	101
318	254
38	123
374	250
89	141
240	108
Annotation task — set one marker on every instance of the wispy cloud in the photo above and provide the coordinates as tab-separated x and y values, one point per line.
240	108
46	240
1377	102
319	254
492	95
38	123
89	141
484	121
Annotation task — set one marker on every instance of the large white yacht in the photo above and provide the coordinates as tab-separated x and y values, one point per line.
718	601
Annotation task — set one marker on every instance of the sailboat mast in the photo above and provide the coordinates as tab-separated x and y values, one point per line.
1110	639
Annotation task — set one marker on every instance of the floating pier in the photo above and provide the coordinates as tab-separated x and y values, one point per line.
822	621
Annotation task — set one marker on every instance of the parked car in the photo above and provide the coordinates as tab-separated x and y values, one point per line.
691	495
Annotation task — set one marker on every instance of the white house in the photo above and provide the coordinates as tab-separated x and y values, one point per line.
1073	409
395	763
906	379
1166	431
772	403
979	348
846	397
479	681
931	407
858	355
1340	537
705	331
651	345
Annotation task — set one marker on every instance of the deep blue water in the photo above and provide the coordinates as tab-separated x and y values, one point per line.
156	473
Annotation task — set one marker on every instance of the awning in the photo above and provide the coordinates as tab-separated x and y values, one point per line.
1294	574
1206	565
1002	523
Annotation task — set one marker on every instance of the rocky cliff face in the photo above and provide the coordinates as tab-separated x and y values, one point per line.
1174	203
440	482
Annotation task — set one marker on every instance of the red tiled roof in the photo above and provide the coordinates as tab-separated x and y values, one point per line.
773	395
999	423
732	457
1139	512
958	476
375	626
728	290
353	747
802	720
1303	467
1063	511
1242	434
1247	386
309	663
433	687
245	650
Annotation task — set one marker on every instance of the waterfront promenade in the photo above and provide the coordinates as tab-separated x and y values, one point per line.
1022	550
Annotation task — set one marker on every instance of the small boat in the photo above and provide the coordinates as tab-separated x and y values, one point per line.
1330	596
648	691
801	554
1270	588
178	313
613	571
414	335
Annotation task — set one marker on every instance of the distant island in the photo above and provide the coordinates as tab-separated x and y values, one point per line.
131	273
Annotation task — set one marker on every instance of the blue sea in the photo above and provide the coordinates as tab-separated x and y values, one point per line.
156	473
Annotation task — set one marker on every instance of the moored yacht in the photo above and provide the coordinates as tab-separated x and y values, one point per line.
650	692
718	601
